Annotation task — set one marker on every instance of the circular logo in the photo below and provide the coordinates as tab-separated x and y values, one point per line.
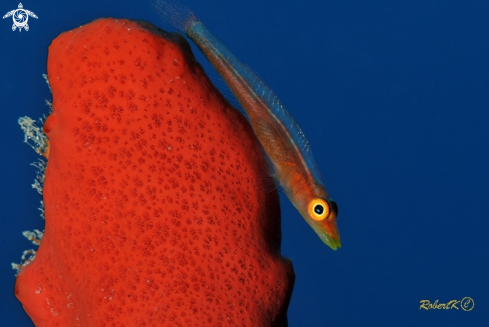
467	303
20	18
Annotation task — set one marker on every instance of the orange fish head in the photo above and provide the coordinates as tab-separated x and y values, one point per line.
321	215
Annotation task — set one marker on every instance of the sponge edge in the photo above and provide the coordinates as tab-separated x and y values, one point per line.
156	209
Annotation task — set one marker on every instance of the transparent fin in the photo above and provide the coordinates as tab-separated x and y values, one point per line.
175	14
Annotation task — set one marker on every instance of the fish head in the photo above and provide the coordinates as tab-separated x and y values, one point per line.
321	215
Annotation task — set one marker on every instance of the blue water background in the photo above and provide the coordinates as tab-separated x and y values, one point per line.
394	98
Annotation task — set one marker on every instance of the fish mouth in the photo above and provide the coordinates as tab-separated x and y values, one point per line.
329	241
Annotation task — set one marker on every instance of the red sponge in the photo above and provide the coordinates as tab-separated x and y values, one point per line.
156	202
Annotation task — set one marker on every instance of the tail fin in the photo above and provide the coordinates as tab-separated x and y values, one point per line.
175	14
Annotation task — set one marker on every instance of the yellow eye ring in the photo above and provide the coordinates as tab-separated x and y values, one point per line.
318	209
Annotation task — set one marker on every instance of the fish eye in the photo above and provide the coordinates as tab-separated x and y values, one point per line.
319	209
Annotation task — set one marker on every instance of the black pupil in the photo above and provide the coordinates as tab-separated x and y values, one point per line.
319	209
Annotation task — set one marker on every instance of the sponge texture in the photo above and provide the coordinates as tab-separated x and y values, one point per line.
157	202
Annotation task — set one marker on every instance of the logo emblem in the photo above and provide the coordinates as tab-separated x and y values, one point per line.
20	17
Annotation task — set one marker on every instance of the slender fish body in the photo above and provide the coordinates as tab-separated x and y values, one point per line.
278	132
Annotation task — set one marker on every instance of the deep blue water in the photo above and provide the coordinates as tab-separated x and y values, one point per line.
394	99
